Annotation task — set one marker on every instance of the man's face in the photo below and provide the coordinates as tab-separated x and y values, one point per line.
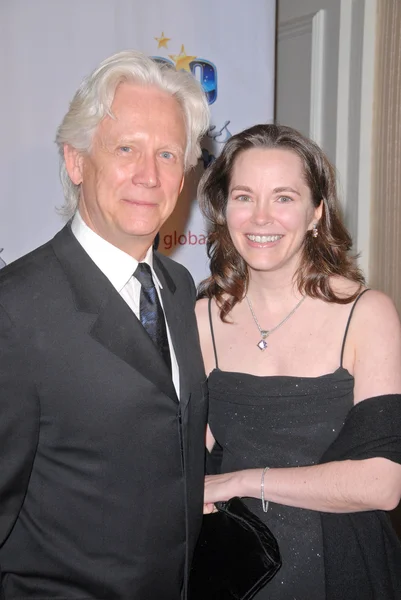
132	176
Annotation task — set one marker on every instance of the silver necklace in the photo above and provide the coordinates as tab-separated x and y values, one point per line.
262	344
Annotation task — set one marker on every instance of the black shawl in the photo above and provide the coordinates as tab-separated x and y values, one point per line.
362	551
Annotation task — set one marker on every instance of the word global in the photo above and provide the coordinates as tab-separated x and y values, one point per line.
174	239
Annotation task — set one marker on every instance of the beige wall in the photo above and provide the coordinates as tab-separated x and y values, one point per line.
385	248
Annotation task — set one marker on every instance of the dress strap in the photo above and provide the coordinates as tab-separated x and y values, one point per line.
212	332
348	323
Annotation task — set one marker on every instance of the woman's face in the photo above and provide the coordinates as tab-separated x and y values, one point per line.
269	209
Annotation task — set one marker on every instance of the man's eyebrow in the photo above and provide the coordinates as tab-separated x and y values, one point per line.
136	139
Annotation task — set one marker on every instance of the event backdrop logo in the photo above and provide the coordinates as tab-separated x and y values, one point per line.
2	263
205	72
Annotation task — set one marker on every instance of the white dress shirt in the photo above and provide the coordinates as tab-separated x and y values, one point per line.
118	267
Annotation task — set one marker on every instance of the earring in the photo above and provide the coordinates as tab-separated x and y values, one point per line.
315	232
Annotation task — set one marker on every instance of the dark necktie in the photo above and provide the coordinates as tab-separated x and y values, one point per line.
151	312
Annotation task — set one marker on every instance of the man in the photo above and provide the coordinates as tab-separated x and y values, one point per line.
102	403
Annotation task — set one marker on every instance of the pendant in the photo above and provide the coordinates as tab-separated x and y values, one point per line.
262	345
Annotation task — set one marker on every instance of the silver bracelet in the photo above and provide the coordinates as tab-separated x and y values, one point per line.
265	503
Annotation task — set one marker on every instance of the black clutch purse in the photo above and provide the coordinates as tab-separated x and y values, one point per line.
236	555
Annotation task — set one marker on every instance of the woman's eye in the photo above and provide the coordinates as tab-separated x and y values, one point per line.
243	198
284	199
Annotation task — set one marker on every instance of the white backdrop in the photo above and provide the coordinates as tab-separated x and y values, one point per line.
48	46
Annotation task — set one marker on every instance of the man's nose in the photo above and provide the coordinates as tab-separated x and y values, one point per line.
146	172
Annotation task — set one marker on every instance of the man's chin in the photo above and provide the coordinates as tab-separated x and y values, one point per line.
136	242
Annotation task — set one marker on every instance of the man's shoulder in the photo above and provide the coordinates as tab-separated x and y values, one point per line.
174	268
179	275
28	271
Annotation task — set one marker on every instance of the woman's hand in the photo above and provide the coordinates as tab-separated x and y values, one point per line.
219	487
227	485
209	509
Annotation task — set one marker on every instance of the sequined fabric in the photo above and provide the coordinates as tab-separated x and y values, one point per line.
282	422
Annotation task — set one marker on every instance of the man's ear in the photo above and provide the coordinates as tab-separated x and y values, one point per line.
182	184
73	163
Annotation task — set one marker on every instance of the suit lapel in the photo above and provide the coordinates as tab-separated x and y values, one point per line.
113	325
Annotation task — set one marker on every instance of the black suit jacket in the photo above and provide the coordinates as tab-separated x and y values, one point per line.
101	467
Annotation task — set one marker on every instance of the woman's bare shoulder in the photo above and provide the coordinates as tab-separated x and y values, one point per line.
377	308
373	305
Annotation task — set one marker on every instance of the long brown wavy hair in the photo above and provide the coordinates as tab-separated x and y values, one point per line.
322	257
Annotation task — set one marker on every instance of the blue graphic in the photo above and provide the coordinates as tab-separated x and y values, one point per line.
203	70
206	73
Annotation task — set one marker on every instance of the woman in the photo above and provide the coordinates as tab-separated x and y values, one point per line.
304	370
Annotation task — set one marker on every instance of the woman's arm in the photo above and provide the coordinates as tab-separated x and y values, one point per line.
373	347
373	354
346	486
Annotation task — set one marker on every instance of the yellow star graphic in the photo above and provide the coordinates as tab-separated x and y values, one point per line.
182	60
162	41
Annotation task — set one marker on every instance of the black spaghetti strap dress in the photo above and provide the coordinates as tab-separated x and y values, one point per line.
282	421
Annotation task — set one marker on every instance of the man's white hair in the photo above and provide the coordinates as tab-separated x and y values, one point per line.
93	100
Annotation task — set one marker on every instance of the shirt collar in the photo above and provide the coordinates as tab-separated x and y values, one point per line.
115	264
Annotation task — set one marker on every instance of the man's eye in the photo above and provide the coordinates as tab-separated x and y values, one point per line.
125	149
166	154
